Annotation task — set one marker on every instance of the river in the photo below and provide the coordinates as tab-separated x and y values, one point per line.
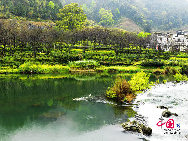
74	109
49	109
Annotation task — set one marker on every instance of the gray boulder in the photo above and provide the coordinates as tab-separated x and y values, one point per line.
135	126
167	114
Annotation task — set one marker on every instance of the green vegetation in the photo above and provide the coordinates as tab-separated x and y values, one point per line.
119	91
123	91
106	17
139	82
30	9
124	69
153	63
78	39
72	16
32	68
71	45
179	77
158	14
85	64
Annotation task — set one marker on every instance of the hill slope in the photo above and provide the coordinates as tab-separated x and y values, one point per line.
148	14
129	25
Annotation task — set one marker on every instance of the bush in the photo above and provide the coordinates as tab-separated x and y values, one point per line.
158	71
139	82
182	55
184	69
124	91
179	77
85	64
119	91
153	63
171	70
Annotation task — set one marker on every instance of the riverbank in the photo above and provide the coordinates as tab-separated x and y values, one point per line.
170	95
32	68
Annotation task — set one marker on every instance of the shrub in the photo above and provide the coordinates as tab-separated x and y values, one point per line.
182	55
139	82
171	70
179	77
153	63
85	64
158	71
119	91
124	91
184	69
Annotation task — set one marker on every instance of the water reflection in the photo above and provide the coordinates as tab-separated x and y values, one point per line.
31	109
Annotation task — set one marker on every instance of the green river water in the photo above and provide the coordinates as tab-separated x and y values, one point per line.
57	109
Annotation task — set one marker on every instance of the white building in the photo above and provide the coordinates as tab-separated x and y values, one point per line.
172	42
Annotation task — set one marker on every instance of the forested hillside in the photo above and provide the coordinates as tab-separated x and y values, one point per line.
33	9
165	14
148	14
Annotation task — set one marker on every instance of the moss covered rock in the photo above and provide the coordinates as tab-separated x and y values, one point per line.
135	126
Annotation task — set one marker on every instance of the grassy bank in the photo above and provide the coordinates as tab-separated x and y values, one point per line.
86	66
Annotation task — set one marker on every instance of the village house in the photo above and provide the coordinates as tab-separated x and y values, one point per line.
172	42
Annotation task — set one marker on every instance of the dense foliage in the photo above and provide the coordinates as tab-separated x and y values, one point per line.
155	14
72	17
33	9
27	40
32	68
139	82
111	50
121	91
149	14
85	64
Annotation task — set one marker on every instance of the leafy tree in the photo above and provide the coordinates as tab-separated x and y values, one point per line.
106	17
51	4
72	16
35	9
143	34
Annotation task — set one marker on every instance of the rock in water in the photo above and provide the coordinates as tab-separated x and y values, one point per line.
162	107
134	126
167	114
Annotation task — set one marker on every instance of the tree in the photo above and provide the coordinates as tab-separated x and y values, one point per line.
51	4
106	17
72	16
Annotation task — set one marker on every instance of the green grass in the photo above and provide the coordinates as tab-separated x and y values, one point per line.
30	68
84	64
